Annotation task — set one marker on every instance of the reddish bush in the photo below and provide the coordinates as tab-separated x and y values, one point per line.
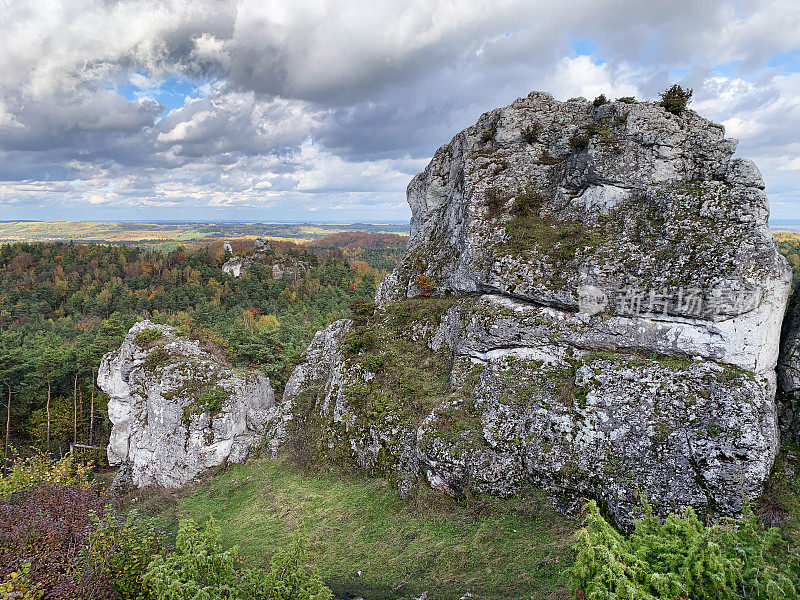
48	526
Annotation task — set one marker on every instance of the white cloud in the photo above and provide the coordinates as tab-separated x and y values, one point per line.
581	76
311	102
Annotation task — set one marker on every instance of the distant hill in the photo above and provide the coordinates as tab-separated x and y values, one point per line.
353	240
168	235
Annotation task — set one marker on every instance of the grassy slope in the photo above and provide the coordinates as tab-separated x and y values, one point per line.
511	548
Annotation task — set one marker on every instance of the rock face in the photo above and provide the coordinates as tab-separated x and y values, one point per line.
606	302
789	372
177	410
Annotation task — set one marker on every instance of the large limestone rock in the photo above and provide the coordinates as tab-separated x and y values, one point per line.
177	410
543	200
611	302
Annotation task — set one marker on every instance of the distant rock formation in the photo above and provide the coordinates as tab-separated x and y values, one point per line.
236	265
263	253
289	267
177	410
591	301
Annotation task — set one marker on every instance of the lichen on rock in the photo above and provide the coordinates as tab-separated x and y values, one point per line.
177	409
605	320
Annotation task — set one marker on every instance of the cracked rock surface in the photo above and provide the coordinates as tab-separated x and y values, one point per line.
604	320
177	410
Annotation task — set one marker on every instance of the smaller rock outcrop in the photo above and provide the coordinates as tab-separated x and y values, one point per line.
289	267
177	409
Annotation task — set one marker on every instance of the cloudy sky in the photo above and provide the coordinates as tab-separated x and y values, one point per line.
313	110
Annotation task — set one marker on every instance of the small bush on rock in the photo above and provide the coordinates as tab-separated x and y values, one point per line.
146	336
361	310
488	135
359	340
531	134
600	100
373	362
676	99
213	399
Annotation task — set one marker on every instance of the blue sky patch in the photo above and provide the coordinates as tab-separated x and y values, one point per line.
582	46
170	92
788	61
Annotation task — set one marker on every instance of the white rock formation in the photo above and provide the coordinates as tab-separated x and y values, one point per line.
236	265
613	320
177	410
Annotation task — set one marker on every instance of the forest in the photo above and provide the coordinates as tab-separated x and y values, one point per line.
265	526
64	305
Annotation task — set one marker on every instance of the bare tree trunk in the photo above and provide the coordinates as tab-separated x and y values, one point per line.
75	410
8	430
80	408
47	406
91	413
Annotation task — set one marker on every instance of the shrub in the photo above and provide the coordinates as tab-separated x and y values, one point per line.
600	100
199	568
529	202
41	469
47	527
119	551
286	578
530	135
488	135
495	200
18	585
579	141
360	339
361	310
156	358
213	399
679	558
373	362
627	100
147	336
675	99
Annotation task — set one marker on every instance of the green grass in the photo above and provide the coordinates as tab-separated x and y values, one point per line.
557	240
494	548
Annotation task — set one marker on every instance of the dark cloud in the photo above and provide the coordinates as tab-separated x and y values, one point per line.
330	107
